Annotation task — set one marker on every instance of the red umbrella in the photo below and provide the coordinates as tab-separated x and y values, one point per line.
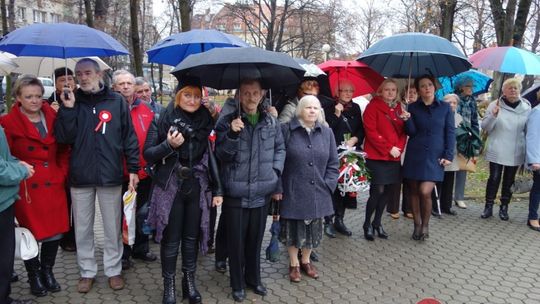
364	79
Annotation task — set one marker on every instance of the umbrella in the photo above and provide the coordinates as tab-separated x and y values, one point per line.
415	54
60	40
7	65
272	251
468	140
312	70
507	59
530	94
480	83
175	48
45	66
364	79
224	68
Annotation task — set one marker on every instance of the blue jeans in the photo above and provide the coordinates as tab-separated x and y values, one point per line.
459	190
534	197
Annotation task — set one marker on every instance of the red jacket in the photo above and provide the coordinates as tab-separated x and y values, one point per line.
384	130
141	116
42	206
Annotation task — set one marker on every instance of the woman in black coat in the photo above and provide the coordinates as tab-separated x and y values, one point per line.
178	146
345	120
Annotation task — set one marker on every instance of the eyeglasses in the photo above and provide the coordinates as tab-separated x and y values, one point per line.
346	91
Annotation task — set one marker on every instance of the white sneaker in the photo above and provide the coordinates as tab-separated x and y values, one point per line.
461	204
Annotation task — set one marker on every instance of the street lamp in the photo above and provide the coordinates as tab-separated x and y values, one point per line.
326	49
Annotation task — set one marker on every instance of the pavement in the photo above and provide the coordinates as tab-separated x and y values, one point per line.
465	260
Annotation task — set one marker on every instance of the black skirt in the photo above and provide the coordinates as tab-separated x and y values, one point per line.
301	233
384	172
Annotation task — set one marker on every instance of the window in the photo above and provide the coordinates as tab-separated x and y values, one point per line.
237	27
43	16
55	18
221	27
22	13
37	16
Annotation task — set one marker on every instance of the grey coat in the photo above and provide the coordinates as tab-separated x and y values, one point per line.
506	133
251	160
311	172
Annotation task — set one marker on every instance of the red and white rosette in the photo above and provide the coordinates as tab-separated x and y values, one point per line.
104	117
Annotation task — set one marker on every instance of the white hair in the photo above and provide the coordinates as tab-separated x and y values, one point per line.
308	100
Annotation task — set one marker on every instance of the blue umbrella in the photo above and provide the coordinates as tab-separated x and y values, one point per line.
479	81
60	40
173	49
415	54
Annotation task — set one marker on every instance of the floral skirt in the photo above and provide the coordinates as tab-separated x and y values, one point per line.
301	233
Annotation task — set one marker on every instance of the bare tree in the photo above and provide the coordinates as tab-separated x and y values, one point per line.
100	14
135	40
374	20
185	8
447	11
89	13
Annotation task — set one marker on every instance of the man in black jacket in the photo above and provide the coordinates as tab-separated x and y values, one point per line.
97	123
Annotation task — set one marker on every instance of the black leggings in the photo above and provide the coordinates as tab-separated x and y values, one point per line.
378	198
183	226
508	174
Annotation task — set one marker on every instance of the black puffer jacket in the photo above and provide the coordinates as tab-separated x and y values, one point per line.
97	159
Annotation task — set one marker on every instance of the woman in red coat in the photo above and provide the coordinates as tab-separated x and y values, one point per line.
384	143
42	206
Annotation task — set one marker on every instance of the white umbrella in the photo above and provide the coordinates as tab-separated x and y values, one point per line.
45	66
7	65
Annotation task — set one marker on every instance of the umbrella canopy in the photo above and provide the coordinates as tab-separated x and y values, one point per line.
60	40
45	66
480	83
272	251
415	54
312	70
225	68
506	59
175	48
364	79
6	64
530	94
468	140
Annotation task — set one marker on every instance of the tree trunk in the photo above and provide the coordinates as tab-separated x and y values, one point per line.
271	26
282	25
448	10
135	41
521	22
100	14
11	14
185	14
89	14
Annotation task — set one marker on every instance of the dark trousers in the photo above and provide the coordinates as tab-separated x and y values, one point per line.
7	243
393	201
534	197
378	197
140	246
445	190
183	227
221	237
338	203
245	231
508	174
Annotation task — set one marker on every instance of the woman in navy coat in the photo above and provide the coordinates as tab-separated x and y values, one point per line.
430	148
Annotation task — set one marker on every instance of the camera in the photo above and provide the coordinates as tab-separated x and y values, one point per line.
182	127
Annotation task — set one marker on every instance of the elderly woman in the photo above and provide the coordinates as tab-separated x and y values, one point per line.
445	189
430	148
345	120
180	202
384	143
42	206
309	178
307	87
533	161
468	110
504	123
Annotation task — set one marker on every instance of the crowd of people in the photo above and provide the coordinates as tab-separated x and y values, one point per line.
91	141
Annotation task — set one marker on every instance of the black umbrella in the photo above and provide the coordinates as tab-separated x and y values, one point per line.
530	95
225	68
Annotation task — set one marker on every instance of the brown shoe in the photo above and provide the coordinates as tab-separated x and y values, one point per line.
394	215
294	274
309	270
85	284
116	282
409	215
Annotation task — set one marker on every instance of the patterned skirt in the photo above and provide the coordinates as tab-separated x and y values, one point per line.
301	233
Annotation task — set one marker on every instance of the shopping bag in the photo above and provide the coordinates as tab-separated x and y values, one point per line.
128	222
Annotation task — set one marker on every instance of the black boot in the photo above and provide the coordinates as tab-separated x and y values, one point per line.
380	231
503	212
169	290
33	268
340	226
48	257
488	211
368	232
329	230
189	290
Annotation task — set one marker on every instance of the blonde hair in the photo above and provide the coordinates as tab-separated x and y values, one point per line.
512	81
384	83
304	102
193	90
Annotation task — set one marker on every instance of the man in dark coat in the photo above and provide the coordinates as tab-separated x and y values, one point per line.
252	154
96	121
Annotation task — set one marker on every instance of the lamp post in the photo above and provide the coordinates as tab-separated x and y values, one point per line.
326	49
